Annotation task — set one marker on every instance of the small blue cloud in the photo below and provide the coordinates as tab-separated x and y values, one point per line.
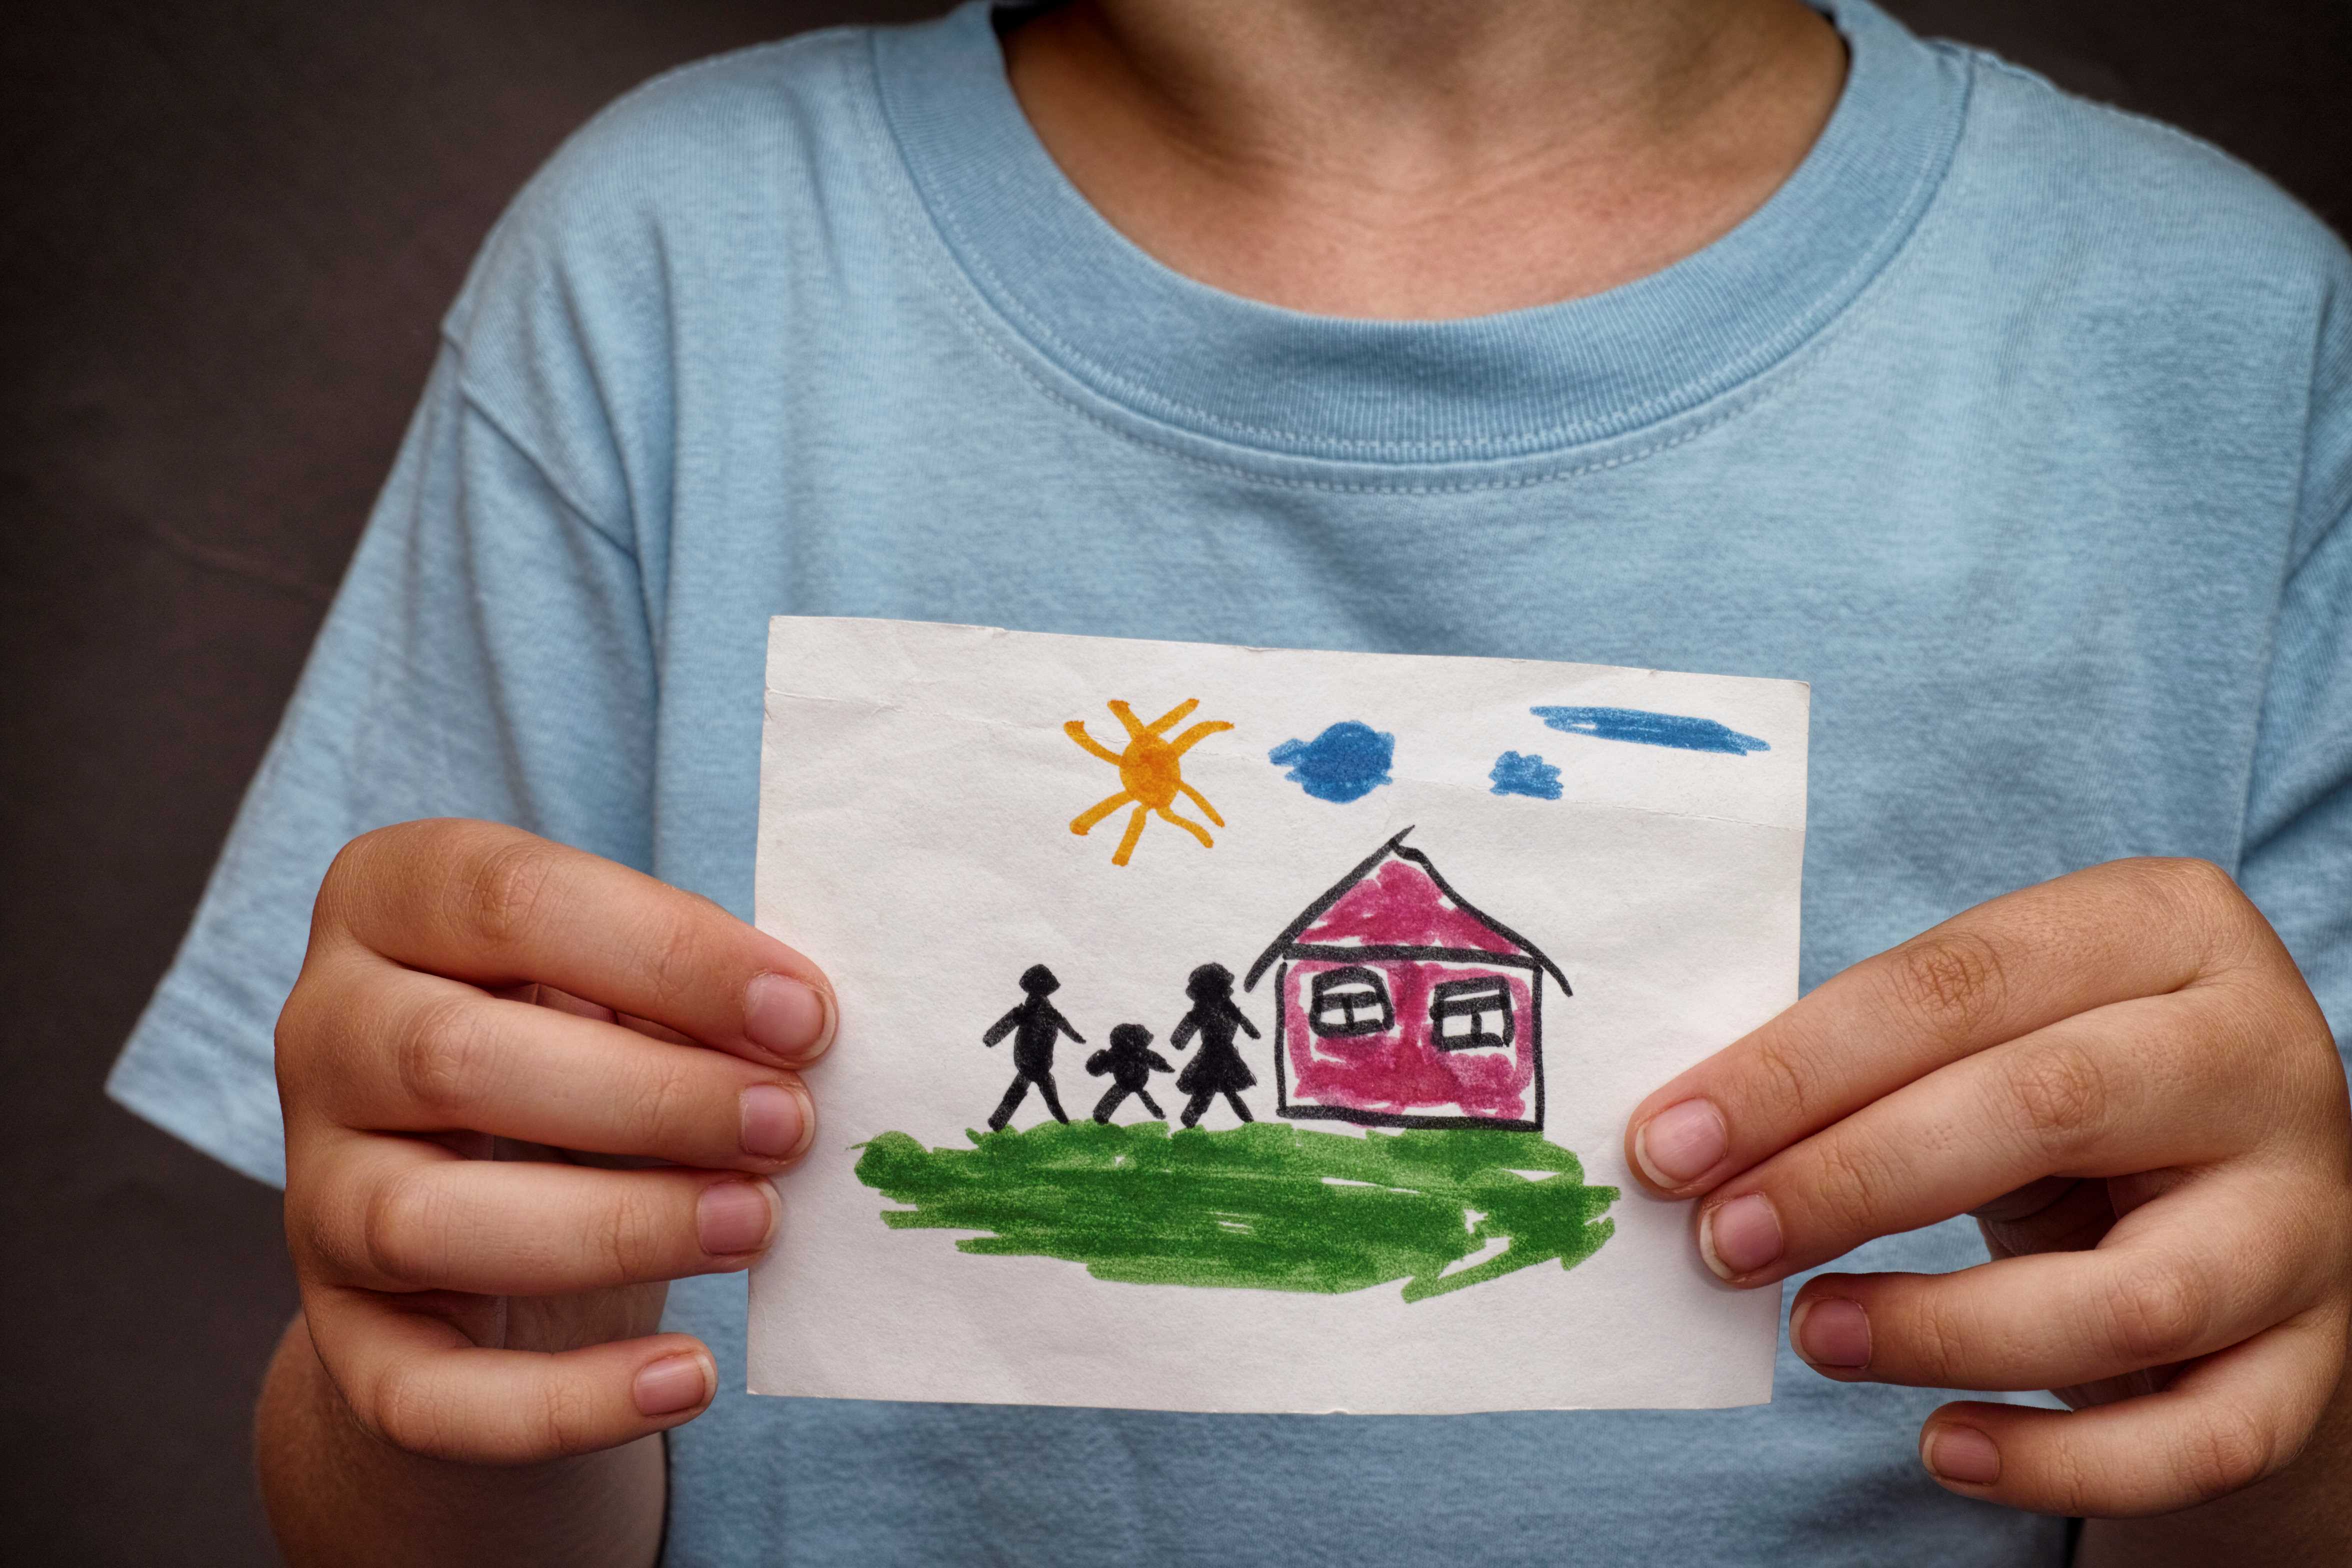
1347	762
1650	729
1516	774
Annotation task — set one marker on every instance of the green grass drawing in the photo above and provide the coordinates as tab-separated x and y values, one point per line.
1266	1206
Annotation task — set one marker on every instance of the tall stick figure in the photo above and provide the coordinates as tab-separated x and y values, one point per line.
1034	1026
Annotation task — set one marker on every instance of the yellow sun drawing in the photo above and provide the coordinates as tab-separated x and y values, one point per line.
1148	774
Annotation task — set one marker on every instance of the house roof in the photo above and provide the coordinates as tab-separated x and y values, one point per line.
1393	904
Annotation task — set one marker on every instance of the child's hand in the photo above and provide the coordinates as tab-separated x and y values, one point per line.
2123	1077
480	1012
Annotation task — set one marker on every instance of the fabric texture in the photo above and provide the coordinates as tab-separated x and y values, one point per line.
2020	427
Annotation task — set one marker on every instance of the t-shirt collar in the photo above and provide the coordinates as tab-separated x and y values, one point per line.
1514	383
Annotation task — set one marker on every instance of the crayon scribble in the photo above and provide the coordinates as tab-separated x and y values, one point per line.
1035	1026
1400	1003
1347	762
1149	774
1266	1206
1517	775
1650	729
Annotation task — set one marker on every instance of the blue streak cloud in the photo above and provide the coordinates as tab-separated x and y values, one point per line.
1650	729
1530	775
1345	762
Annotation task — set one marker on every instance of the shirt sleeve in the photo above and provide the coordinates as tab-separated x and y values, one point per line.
2298	859
488	655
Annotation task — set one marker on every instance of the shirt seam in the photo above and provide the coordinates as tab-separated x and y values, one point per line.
2320	364
478	405
2296	564
508	218
2110	110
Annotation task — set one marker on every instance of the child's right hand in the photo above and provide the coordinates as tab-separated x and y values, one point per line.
482	1014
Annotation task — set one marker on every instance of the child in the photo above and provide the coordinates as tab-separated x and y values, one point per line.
1708	334
1131	1061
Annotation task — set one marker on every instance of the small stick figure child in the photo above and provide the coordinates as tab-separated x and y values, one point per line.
1038	1024
1131	1061
1219	1069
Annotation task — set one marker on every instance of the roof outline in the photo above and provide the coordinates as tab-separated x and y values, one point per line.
1397	846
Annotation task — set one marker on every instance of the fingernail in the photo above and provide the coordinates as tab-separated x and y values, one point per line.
776	1122
1961	1453
1682	1142
1739	1236
732	1218
1832	1333
673	1383
787	1019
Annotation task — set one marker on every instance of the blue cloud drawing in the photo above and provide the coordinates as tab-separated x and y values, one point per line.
1347	762
1650	729
1516	774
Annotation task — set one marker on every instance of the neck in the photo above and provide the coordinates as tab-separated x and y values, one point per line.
1425	158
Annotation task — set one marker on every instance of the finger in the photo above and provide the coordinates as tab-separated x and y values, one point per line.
2056	1214
2097	1095
2068	1213
403	1216
2019	962
2226	1422
558	1001
419	1383
431	1055
497	907
2166	1288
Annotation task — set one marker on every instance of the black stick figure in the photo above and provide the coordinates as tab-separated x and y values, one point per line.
1219	1069
1038	1024
1131	1061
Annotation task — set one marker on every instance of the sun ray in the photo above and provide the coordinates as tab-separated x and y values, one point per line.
1196	734
1189	825
1126	715
1203	802
1134	832
1160	725
1076	731
1084	823
1149	772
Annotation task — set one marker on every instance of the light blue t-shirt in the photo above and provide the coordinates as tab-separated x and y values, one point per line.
2020	427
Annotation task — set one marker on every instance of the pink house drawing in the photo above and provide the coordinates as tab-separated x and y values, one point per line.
1400	1004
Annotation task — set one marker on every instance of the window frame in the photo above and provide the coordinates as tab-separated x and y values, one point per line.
1325	980
1493	992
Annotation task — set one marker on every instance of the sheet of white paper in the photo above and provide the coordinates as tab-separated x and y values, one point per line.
918	789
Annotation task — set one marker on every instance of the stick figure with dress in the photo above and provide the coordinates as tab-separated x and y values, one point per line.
1219	1069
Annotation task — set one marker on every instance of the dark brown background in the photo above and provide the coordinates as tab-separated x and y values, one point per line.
229	231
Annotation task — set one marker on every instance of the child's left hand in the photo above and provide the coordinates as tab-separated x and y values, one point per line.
2122	1075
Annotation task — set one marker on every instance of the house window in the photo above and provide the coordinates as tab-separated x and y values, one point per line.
1471	1014
1350	1001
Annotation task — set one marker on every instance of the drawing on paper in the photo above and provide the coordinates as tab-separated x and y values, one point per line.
1269	1206
1646	728
1219	1069
1150	774
1529	775
1129	1061
1347	762
1035	1026
1397	1004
